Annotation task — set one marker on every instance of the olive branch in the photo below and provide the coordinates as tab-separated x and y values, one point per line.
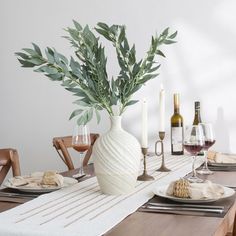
85	74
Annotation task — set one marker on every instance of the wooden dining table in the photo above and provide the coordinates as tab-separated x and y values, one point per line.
162	224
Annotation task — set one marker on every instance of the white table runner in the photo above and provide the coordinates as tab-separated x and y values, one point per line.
82	210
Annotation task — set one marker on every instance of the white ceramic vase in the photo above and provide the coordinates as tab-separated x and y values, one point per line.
117	156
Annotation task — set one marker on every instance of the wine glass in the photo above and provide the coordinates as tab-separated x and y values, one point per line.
81	143
209	141
193	143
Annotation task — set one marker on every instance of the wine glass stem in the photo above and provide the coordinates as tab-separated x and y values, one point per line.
81	163
205	163
193	167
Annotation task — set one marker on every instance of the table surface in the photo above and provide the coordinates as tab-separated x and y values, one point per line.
149	224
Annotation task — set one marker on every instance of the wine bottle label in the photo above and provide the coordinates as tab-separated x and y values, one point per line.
177	139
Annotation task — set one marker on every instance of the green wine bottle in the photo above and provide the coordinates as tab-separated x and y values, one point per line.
177	129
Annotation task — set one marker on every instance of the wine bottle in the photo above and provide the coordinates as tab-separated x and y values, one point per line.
197	116
177	129
197	119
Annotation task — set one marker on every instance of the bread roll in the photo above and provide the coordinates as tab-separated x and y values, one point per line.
179	188
52	178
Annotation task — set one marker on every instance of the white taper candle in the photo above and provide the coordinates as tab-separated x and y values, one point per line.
144	142
162	109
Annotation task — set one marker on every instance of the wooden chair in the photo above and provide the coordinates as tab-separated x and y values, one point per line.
9	159
234	227
62	144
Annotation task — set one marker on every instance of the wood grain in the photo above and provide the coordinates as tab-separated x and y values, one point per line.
150	224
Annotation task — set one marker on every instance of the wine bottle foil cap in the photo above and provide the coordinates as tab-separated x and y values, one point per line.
176	100
197	105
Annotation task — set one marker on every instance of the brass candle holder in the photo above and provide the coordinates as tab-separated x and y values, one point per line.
145	176
163	168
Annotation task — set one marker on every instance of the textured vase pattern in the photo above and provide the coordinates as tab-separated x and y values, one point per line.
117	156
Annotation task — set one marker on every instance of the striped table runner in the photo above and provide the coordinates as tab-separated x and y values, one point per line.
82	209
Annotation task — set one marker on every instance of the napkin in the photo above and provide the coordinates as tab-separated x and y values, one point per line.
38	180
198	191
18	181
206	190
218	157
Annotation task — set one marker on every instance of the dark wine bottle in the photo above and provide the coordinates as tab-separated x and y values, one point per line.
177	129
197	119
197	116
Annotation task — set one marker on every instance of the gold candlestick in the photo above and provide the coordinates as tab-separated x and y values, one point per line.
145	176
163	168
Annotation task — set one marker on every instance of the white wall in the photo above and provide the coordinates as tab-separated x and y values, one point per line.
200	66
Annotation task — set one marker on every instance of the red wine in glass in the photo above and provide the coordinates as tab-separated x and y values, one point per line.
193	149
193	143
208	144
81	147
81	143
209	141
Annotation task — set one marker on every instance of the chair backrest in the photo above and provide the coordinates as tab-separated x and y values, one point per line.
9	159
62	144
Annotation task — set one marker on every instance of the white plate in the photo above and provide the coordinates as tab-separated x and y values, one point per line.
67	182
161	191
221	164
